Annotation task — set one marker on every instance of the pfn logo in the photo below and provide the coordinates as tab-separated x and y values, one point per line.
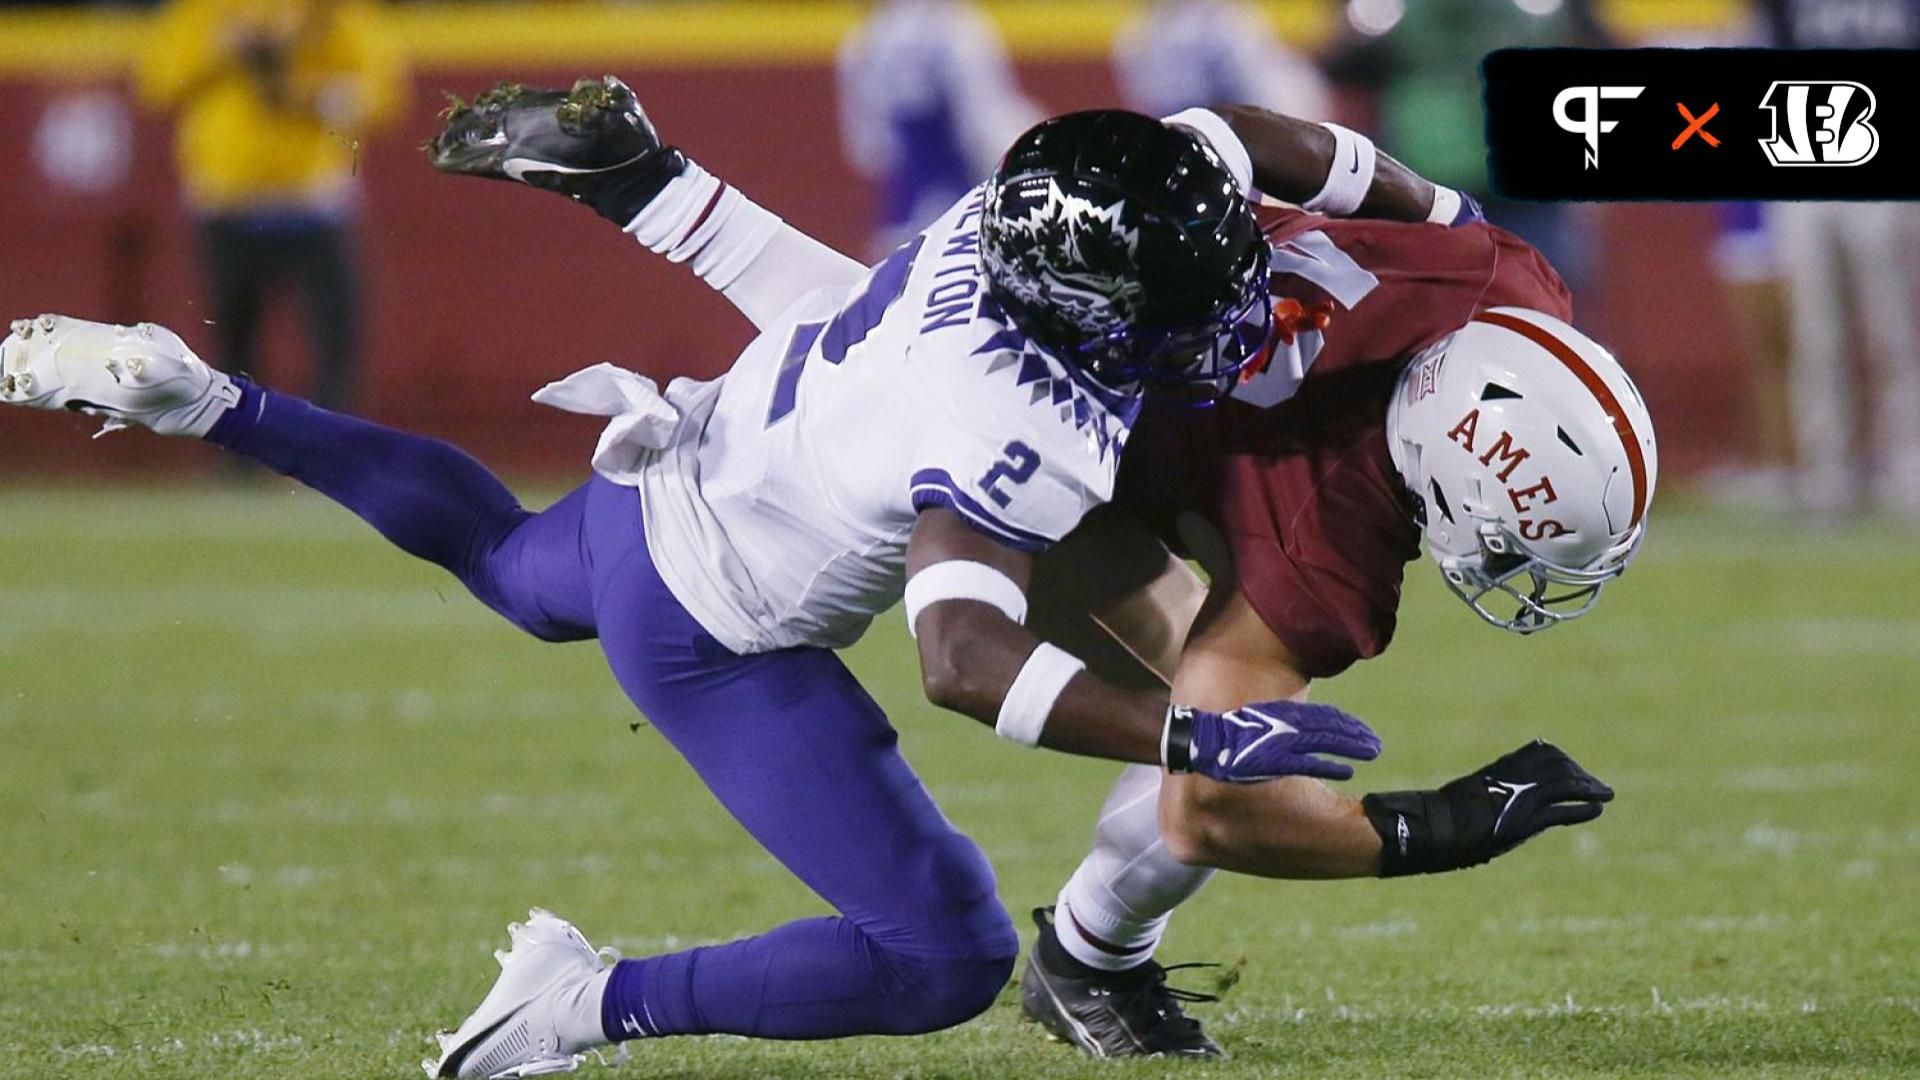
1588	124
1826	124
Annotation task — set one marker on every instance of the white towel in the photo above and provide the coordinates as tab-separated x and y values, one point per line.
643	420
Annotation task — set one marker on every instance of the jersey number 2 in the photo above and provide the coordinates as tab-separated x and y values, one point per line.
1017	467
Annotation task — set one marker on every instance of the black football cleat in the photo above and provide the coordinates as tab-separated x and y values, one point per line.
592	143
1109	1014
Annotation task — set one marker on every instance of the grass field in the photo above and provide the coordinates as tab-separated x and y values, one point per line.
269	792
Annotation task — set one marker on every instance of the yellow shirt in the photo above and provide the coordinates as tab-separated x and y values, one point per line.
236	145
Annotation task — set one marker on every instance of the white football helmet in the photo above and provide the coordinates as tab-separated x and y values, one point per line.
1531	455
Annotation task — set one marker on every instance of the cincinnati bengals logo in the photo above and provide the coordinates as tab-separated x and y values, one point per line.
1820	123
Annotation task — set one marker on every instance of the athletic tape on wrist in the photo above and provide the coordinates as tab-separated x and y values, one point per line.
1446	206
1176	740
1030	700
1349	178
962	579
1214	130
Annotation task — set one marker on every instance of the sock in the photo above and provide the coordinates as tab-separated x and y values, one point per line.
579	1014
698	218
1054	953
1113	911
1099	950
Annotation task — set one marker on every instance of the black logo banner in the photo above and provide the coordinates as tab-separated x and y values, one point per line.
1606	124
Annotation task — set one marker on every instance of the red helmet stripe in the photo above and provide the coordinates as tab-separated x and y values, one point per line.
1636	457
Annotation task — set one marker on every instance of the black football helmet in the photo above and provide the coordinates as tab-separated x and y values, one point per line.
1125	247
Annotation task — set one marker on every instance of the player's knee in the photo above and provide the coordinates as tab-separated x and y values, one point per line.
544	628
964	913
952	990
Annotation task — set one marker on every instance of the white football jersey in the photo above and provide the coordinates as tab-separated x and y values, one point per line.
780	513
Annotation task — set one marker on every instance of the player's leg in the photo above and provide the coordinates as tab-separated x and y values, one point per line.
806	761
1877	238
1113	911
432	500
330	288
426	496
1091	977
1819	376
594	143
236	285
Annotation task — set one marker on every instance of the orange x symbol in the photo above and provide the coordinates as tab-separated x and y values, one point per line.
1697	125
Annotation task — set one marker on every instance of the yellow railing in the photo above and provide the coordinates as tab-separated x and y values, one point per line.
692	32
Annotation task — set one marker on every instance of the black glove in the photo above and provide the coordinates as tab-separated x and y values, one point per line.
1487	813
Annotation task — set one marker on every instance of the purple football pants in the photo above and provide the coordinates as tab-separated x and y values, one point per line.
792	746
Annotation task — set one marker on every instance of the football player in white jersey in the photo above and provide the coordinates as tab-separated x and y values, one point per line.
920	429
1315	508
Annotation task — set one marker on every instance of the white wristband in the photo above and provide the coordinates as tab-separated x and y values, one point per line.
1349	178
961	579
1030	700
1446	206
1214	130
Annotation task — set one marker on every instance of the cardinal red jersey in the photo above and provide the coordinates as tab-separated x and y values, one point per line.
1294	469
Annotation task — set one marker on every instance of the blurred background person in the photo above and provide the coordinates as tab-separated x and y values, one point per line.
928	101
1750	274
270	99
1180	54
1849	276
1418	63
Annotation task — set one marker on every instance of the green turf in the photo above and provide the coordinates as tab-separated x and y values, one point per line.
268	792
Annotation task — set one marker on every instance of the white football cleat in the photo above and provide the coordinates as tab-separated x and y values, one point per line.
535	1019
131	375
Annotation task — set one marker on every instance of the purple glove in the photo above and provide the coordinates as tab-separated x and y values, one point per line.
1265	740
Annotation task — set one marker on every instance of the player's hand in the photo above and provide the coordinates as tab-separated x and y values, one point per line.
1528	792
1486	813
1267	740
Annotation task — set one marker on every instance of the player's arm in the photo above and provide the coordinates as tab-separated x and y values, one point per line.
1297	827
966	603
1324	168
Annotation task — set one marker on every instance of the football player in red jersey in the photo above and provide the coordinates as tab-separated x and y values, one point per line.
1427	381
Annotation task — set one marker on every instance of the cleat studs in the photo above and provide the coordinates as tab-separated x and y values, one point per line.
48	322
500	956
22	327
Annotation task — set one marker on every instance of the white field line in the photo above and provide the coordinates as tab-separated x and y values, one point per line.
1784	779
278	612
1827	636
1655	1005
249	1040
